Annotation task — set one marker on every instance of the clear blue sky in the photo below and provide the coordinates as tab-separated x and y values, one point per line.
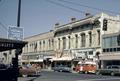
38	16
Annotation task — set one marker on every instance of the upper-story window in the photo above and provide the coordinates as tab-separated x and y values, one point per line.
69	44
58	43
35	47
64	43
76	41
44	44
118	40
49	45
52	42
90	38
98	37
111	44
83	40
40	45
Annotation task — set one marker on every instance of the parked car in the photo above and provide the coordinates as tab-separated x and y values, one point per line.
110	70
62	69
28	71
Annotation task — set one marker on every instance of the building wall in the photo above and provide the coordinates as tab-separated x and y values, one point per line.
113	29
39	47
73	32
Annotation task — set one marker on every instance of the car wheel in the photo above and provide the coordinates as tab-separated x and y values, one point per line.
60	70
112	73
86	72
97	73
24	75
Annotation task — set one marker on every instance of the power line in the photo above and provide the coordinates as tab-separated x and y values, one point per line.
3	26
62	5
98	9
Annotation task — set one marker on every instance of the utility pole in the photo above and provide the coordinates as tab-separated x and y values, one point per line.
19	11
17	51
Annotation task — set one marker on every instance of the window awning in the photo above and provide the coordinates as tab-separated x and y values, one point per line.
61	59
39	60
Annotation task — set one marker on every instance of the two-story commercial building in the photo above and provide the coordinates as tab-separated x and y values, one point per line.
39	49
81	40
78	40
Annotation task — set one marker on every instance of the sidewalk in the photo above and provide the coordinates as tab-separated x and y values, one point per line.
46	70
52	70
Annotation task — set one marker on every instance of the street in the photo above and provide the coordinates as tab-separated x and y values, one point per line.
61	76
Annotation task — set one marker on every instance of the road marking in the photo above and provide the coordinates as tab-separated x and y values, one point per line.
99	79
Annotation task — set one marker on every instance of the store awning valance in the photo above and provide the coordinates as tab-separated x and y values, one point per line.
61	59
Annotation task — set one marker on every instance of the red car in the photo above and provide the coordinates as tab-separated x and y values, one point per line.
27	71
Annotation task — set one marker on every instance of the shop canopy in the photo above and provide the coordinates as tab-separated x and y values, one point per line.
61	59
8	44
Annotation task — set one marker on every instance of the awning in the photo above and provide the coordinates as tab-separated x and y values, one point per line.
61	59
87	62
40	60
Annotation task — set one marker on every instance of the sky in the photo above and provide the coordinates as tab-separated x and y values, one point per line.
39	16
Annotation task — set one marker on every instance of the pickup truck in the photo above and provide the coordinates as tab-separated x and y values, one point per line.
111	70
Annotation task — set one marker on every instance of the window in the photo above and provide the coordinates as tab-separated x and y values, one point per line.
98	37
118	49
44	44
40	45
90	38
83	40
58	43
69	42
90	52
64	43
114	49
76	42
107	42
49	43
52	43
118	40
111	49
113	42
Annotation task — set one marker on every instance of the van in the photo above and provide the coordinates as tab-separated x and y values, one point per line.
86	67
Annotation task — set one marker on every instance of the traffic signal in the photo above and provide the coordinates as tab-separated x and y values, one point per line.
105	21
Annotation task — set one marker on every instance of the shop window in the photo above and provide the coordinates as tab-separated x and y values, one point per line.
110	49
118	40
107	50
118	49
114	49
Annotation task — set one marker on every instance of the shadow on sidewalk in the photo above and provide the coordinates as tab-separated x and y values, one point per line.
35	77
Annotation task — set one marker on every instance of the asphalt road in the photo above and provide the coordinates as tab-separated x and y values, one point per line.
60	76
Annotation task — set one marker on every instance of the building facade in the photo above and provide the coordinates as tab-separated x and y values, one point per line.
79	40
110	42
39	49
82	40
